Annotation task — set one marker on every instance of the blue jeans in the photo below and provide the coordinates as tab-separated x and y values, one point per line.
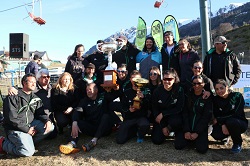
19	143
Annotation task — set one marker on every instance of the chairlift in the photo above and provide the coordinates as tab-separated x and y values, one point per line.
158	4
37	19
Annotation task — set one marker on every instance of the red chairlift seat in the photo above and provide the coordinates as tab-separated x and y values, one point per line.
157	4
38	20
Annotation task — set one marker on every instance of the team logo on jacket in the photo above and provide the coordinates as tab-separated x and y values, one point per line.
174	101
89	105
159	101
233	107
201	104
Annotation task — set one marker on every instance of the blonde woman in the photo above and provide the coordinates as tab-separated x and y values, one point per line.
64	99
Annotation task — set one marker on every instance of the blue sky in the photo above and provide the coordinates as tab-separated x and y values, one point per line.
71	22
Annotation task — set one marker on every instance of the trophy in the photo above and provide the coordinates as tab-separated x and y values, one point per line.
139	82
110	74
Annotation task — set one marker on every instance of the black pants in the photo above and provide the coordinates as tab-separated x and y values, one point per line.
200	143
115	106
62	120
235	128
174	123
103	128
129	129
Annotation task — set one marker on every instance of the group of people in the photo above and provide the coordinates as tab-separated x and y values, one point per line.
185	99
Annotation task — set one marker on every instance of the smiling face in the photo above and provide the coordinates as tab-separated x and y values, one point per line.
198	85
183	45
122	73
44	79
65	81
221	90
30	84
149	44
168	81
197	68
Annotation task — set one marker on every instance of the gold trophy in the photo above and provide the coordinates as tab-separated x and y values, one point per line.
139	82
110	74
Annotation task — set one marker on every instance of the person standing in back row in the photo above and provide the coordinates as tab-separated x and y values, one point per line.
32	66
221	63
76	63
126	55
169	53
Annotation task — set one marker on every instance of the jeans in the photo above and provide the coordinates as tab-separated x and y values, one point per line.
19	143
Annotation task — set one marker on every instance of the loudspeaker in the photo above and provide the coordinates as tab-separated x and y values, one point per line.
19	45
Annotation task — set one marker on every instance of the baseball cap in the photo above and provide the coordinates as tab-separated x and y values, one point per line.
122	37
220	39
91	65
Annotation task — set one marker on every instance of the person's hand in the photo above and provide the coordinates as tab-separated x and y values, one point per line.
47	126
132	109
12	91
225	130
158	118
187	135
68	111
206	94
194	136
75	130
32	131
165	131
116	87
140	95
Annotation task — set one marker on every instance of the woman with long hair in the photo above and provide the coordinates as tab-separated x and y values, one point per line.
229	115
187	56
64	99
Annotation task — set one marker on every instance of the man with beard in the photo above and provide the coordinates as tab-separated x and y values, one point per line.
148	57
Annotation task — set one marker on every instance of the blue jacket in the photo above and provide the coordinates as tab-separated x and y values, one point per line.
147	60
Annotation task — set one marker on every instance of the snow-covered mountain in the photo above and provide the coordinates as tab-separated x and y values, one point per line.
131	32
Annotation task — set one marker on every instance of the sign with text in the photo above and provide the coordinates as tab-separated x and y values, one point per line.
244	78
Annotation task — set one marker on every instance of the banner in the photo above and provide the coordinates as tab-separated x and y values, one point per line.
157	33
244	78
170	24
141	34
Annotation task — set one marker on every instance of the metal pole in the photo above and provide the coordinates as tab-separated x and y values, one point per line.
205	35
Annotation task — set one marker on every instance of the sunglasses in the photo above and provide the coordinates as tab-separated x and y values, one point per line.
121	71
224	42
45	77
168	79
197	67
153	74
198	83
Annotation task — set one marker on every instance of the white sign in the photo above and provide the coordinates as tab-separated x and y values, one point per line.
244	78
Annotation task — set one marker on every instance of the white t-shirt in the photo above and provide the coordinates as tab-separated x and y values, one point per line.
169	48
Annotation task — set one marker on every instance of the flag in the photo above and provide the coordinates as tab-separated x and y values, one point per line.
141	34
157	33
170	24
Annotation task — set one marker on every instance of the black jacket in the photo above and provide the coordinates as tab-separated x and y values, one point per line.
197	113
232	106
170	61
232	70
21	109
75	66
127	56
168	102
127	101
90	110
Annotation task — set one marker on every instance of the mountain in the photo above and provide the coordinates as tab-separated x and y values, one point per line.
236	17
225	19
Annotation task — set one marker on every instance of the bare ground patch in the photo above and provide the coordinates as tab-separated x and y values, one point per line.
107	152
